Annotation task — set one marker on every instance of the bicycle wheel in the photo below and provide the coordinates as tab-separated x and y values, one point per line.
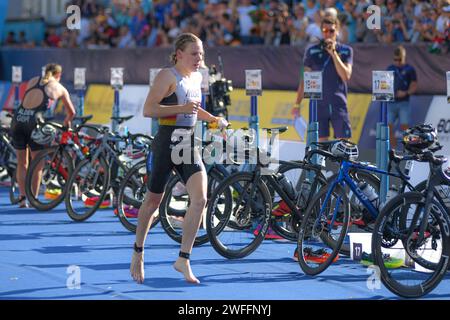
131	194
175	203
87	189
14	193
323	230
288	225
236	228
395	235
360	219
57	167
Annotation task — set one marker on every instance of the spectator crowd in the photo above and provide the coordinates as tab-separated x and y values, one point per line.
147	23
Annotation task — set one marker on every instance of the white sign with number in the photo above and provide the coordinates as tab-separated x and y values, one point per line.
117	78
448	86
253	82
382	85
313	86
205	80
152	75
16	74
79	78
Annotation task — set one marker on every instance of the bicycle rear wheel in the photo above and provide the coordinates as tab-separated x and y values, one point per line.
131	195
14	193
395	236
288	225
87	189
57	168
236	228
323	230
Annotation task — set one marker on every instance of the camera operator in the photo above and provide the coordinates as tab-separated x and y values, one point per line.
335	61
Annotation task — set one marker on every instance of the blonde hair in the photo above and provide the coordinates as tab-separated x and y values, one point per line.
50	70
181	43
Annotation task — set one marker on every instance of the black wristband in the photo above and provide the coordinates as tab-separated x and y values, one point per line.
138	249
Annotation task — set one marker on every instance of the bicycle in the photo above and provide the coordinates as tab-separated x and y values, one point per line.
237	231
99	174
69	146
174	203
8	162
416	225
329	214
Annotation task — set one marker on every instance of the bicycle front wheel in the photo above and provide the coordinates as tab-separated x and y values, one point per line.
396	237
323	230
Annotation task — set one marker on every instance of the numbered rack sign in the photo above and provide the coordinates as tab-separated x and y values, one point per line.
152	75
205	80
117	78
448	86
382	85
79	78
253	82
16	74
313	85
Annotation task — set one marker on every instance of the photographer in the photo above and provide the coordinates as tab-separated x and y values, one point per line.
335	61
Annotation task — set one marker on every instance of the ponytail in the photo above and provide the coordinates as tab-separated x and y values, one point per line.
50	70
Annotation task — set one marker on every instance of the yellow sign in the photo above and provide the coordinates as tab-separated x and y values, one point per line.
99	102
275	107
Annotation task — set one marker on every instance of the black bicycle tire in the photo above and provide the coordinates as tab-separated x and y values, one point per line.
416	291
282	232
120	213
337	244
70	212
215	242
163	216
34	202
13	187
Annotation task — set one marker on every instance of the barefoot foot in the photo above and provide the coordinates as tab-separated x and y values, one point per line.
137	267
182	265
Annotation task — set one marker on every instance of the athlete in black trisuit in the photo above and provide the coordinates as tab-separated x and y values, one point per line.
175	100
39	92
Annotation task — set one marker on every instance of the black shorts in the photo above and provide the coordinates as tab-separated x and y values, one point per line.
169	152
21	136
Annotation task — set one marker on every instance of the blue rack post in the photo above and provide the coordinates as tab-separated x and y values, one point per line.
205	92
384	143
116	111
254	118
382	90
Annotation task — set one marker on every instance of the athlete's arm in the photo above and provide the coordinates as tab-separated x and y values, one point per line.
68	105
162	84
206	116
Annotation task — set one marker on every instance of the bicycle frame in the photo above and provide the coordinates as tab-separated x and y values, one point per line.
344	178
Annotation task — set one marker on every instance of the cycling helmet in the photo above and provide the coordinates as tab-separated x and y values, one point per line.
345	149
5	119
419	138
43	135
